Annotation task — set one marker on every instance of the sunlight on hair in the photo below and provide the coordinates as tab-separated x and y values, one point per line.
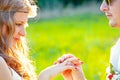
33	11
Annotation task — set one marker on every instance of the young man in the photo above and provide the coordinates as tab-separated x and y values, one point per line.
111	8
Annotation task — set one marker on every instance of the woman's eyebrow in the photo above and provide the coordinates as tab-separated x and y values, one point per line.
22	22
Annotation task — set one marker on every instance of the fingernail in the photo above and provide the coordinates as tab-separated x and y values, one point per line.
81	62
75	67
78	59
55	63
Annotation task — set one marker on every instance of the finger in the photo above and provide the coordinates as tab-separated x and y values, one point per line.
77	62
69	63
70	60
78	68
74	61
58	61
64	57
67	67
69	55
55	62
63	67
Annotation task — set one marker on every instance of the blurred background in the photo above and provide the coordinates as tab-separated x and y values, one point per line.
71	26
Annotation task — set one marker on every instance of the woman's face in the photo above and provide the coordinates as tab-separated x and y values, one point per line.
20	20
112	11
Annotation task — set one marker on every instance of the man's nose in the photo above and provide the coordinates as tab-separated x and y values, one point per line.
104	7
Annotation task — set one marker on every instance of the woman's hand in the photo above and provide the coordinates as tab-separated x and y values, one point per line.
78	74
54	70
72	74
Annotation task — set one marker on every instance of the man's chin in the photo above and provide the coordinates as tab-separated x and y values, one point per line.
113	24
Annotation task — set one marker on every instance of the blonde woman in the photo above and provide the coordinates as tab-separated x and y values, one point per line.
14	62
111	8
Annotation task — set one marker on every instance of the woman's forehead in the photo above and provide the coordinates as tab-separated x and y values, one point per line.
21	17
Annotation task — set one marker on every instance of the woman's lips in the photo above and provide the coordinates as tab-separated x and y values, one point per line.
16	39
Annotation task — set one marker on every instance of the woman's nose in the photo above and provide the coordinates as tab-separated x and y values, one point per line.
22	32
104	7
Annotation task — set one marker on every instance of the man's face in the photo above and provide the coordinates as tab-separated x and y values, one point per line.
112	11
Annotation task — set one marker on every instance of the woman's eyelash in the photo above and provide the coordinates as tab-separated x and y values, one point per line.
21	24
18	24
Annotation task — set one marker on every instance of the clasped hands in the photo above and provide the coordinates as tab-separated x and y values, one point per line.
68	65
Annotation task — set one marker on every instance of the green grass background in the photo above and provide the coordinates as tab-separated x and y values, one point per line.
87	36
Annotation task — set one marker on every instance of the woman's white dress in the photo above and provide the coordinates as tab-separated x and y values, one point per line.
15	75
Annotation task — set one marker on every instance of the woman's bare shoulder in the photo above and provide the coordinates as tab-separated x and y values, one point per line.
4	70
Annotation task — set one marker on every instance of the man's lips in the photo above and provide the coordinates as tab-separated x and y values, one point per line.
108	15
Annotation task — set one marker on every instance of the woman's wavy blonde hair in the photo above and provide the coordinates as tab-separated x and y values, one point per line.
16	59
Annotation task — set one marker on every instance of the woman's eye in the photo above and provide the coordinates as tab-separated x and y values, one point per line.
18	24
